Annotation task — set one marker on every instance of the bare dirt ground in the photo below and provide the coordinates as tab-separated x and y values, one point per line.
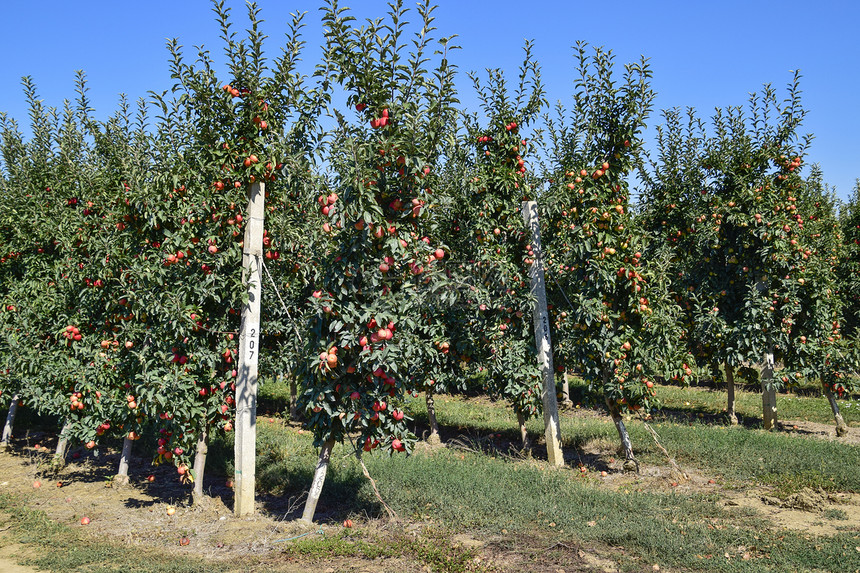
821	431
137	515
157	515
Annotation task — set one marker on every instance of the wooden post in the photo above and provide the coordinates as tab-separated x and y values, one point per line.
768	391
62	445
317	484
565	391
249	346
10	420
543	344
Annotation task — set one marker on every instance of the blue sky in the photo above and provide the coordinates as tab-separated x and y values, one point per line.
703	54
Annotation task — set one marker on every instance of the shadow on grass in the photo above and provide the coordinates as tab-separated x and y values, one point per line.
281	484
702	415
506	442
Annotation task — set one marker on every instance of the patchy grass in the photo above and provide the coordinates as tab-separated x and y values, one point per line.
515	512
737	453
502	498
487	491
770	458
59	548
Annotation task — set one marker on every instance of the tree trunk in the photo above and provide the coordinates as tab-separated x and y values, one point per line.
121	477
565	392
841	426
317	484
730	387
294	400
434	437
200	463
62	445
10	420
524	433
768	392
630	463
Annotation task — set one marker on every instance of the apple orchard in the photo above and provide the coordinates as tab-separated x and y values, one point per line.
393	257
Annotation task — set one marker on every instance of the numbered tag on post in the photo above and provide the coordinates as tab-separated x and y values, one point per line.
253	343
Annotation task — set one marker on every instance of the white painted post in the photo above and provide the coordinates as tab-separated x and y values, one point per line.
10	420
543	343
62	445
249	349
565	391
317	484
768	391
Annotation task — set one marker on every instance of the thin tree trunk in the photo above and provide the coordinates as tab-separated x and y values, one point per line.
62	445
434	437
730	387
294	401
768	392
200	463
10	420
630	463
565	391
524	433
317	484
841	426
121	477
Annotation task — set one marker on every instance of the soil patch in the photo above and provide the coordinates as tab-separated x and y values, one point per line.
10	553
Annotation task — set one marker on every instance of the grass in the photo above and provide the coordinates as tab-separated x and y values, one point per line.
491	496
735	453
433	548
809	406
522	508
488	494
500	500
754	455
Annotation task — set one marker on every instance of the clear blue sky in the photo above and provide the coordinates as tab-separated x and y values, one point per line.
703	54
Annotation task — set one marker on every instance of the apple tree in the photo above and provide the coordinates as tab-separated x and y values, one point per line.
744	250
818	348
366	337
849	265
492	242
612	315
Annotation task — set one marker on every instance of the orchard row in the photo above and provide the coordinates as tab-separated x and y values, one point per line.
396	257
